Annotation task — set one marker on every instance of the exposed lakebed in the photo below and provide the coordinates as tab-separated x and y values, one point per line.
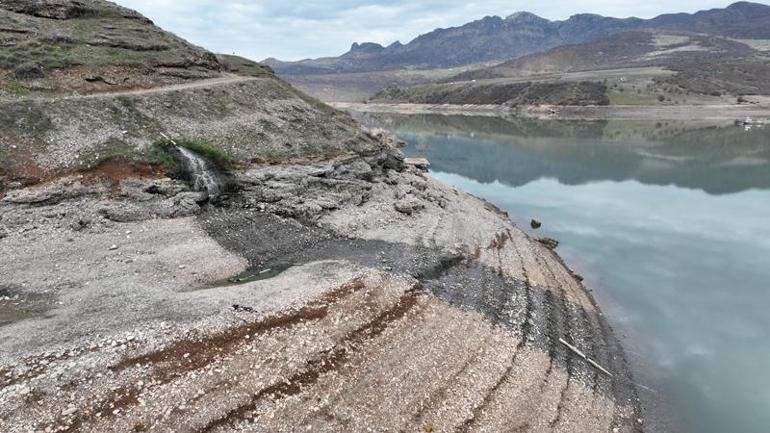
668	222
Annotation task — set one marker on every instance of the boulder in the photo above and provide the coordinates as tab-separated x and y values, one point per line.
549	243
409	205
125	212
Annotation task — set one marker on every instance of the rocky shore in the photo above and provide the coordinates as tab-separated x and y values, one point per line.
391	303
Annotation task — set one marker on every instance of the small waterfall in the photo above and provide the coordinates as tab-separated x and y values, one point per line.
204	178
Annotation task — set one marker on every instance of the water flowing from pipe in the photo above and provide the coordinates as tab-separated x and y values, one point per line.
202	175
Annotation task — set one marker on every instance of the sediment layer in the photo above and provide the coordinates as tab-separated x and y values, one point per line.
391	303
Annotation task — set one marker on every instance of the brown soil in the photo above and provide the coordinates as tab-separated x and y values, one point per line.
117	169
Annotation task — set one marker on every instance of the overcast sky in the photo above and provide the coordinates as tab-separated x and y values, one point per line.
297	29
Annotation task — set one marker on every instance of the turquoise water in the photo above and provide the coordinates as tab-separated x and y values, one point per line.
670	225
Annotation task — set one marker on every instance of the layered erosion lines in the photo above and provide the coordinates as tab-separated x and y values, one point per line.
456	331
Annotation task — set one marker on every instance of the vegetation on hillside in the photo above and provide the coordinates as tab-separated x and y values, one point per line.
511	94
66	45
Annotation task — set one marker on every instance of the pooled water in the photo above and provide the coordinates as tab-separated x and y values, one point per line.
203	177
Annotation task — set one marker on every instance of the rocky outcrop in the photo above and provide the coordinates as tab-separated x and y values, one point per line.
68	9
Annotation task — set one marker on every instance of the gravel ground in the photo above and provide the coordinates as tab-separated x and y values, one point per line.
397	304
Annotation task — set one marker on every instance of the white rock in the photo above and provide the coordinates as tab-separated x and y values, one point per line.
69	411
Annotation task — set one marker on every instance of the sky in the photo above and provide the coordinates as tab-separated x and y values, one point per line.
298	29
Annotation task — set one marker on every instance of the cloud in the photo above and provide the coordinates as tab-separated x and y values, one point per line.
292	30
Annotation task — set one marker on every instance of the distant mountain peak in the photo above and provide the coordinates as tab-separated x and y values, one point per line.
749	8
586	17
493	38
525	17
745	4
366	47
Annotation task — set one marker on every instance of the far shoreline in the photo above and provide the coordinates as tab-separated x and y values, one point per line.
573	112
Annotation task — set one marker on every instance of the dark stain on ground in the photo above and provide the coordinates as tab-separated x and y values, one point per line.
17	304
270	241
250	275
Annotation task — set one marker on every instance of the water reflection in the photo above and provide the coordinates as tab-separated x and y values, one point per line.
670	221
717	159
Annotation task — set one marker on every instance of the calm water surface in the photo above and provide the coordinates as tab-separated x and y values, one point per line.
670	224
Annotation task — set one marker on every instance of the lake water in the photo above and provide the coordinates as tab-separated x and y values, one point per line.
670	224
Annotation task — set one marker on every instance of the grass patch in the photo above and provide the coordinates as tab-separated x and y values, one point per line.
160	154
14	88
220	156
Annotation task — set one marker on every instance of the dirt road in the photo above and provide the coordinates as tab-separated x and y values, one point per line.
225	79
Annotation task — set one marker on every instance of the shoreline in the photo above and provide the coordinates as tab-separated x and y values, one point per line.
158	291
440	269
609	112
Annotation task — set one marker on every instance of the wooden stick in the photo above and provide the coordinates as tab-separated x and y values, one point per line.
583	355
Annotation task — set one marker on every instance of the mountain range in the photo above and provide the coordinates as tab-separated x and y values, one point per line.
493	39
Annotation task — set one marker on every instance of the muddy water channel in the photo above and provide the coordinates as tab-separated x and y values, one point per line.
669	222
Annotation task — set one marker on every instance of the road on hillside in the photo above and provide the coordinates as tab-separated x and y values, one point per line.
211	82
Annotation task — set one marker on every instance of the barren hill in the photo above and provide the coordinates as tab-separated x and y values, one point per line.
495	38
649	67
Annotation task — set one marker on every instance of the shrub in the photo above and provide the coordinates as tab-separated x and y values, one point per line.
28	71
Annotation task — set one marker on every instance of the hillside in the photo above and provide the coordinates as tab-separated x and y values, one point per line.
494	38
507	94
89	46
128	82
638	67
624	50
